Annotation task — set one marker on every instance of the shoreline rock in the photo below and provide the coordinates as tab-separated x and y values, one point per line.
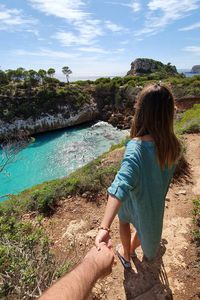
49	122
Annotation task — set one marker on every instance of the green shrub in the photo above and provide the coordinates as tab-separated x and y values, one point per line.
43	201
83	82
61	92
27	265
120	145
102	80
190	121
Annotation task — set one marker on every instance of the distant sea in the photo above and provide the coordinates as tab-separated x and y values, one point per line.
187	73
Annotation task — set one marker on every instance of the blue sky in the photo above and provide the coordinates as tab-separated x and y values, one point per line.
98	37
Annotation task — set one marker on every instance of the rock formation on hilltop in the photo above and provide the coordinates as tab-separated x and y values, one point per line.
142	66
196	69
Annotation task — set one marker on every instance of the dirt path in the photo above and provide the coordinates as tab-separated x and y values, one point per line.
172	276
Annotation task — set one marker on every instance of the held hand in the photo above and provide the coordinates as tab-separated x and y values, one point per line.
103	236
102	260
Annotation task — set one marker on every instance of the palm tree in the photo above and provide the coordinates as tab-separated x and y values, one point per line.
66	71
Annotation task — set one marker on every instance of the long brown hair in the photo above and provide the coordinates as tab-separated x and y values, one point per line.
154	115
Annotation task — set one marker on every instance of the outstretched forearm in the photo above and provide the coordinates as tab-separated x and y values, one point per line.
112	208
76	285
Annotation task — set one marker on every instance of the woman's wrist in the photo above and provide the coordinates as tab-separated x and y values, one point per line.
106	228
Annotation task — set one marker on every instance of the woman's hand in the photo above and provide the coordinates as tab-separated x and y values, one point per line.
103	236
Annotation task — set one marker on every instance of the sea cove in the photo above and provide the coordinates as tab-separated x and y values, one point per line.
56	154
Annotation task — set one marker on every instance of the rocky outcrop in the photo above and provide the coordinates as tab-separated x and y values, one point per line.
49	122
142	66
186	102
196	69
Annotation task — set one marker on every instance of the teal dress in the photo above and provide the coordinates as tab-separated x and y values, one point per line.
141	185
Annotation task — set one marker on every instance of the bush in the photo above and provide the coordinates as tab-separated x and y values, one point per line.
43	201
27	265
83	82
102	80
190	121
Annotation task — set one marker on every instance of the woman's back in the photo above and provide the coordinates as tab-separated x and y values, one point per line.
141	184
139	189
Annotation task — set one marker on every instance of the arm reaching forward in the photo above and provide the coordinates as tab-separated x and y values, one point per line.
77	284
112	208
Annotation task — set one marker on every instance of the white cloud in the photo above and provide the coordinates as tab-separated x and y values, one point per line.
34	31
13	19
100	50
190	27
66	38
86	34
136	6
113	27
84	28
71	10
161	13
193	49
94	50
89	30
119	50
46	53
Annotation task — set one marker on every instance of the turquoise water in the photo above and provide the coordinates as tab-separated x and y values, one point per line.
57	154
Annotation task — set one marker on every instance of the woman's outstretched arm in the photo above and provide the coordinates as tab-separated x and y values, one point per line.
112	208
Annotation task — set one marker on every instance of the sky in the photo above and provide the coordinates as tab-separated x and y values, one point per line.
98	37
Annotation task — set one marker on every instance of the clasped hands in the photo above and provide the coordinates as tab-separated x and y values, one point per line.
102	254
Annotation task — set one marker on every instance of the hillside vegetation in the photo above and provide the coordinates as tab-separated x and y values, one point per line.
190	121
27	93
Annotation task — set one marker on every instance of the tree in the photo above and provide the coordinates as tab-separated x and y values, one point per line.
32	78
3	77
42	73
66	71
51	72
19	74
10	74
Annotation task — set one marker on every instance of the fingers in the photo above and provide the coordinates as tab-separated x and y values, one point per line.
97	243
109	244
102	236
101	245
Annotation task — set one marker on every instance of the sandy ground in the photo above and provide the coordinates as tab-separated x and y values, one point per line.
173	275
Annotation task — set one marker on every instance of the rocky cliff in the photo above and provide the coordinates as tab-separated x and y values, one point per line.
196	69
48	122
141	66
40	110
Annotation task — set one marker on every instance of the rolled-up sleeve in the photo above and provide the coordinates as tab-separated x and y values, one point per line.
127	177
